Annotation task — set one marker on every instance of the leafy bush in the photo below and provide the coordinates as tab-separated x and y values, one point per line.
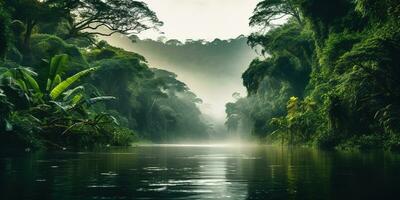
46	46
4	31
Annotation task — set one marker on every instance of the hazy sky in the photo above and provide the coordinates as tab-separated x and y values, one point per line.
202	19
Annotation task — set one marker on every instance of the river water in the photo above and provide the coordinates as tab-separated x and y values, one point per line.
200	172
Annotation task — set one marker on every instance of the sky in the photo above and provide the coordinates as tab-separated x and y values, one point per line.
201	19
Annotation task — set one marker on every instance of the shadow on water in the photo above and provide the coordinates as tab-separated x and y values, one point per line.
200	172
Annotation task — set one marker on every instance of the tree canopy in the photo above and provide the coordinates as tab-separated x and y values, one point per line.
269	11
98	17
329	80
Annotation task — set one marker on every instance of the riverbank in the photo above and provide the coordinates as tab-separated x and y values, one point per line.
352	143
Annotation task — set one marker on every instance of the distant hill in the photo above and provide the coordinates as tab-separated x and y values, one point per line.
211	69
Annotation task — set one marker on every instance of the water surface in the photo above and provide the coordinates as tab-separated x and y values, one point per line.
200	172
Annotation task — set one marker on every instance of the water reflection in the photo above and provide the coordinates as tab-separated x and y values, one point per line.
200	172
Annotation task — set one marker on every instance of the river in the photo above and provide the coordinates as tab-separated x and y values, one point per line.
200	172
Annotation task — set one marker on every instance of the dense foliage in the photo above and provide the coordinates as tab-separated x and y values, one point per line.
330	76
60	87
151	101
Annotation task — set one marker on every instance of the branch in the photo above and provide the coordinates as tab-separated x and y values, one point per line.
102	34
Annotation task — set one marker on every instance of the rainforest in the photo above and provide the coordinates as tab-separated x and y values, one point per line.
202	95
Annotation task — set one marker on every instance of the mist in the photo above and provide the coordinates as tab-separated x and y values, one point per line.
212	70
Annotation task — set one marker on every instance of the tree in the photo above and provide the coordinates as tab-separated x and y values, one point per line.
32	12
174	42
24	78
91	17
268	11
378	10
4	31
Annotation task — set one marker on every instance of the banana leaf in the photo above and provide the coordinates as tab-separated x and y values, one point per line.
76	99
57	80
70	93
57	64
94	100
60	88
30	80
62	105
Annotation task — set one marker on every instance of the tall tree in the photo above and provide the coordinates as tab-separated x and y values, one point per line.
32	12
268	11
107	17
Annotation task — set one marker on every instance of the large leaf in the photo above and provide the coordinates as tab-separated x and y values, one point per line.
57	80
48	84
106	117
9	126
23	77
70	94
22	85
30	80
56	66
99	99
60	88
62	105
2	71
76	99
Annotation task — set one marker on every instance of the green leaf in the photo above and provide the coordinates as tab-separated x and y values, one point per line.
56	81
60	88
57	64
30	80
62	105
115	121
48	84
76	99
9	126
27	70
21	83
75	91
99	99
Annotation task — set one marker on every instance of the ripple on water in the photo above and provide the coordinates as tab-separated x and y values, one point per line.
108	174
158	189
102	197
101	186
161	184
200	182
199	191
164	188
155	168
220	157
